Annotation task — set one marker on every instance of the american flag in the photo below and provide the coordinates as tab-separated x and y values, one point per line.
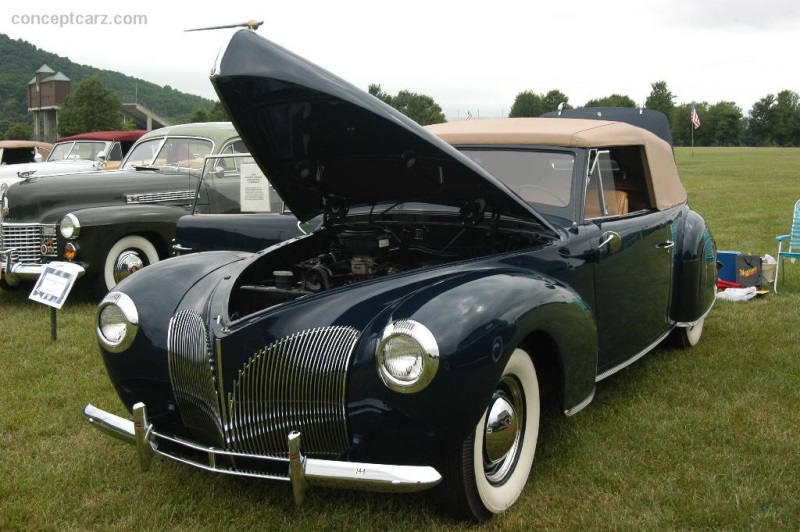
695	117
469	115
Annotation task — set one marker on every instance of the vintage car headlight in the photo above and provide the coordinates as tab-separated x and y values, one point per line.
407	356
117	322
70	226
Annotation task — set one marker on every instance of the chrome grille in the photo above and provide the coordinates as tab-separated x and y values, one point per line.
296	383
192	374
26	240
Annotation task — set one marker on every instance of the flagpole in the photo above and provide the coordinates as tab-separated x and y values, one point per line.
691	126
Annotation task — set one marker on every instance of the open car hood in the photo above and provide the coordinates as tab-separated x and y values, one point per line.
327	146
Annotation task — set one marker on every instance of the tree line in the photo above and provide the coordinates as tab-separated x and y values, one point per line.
774	120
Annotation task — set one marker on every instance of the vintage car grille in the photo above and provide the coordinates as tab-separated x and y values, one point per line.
296	383
27	240
192	372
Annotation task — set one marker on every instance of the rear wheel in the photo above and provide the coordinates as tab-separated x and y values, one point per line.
686	337
129	255
491	468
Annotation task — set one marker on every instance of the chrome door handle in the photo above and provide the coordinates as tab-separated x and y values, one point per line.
666	245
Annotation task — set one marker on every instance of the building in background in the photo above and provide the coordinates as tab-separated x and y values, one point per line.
47	92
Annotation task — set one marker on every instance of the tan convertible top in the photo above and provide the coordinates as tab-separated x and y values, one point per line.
24	144
574	133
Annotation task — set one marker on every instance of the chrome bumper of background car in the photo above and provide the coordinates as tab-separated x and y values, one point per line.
302	471
14	271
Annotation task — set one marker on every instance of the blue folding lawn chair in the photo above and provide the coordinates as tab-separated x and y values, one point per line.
793	251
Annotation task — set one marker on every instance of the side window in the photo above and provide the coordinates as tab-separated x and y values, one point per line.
184	152
617	183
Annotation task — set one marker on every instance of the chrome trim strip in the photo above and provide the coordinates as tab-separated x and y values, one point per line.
156	197
580	406
632	359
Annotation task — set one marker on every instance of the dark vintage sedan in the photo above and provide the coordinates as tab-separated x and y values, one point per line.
111	223
247	216
462	274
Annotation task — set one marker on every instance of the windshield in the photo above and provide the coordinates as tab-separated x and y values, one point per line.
76	150
544	179
170	152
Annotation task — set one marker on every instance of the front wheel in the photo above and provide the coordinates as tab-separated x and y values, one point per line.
491	468
127	256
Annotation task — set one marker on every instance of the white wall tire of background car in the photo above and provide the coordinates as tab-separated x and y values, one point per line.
470	488
146	251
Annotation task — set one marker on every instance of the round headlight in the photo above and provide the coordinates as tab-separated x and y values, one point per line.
117	322
70	226
407	356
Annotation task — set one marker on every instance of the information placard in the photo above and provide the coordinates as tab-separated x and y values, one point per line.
254	191
54	284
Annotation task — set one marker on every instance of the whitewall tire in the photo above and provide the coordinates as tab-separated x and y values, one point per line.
127	256
491	469
686	337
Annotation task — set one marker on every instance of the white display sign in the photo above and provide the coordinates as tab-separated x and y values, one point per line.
254	194
54	284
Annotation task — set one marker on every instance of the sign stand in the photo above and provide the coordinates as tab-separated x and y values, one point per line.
52	289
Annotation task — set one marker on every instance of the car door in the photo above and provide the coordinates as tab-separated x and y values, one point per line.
633	270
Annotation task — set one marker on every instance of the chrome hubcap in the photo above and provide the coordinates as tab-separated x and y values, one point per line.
502	436
127	263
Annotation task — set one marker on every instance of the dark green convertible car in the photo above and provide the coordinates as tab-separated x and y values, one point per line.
462	274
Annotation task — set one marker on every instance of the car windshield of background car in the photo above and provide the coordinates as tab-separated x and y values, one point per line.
87	151
174	152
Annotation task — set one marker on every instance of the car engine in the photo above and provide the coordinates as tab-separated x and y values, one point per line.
333	258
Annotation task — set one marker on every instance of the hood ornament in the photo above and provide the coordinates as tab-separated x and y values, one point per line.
251	25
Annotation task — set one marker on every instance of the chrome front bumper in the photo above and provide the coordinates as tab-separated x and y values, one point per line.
302	472
14	272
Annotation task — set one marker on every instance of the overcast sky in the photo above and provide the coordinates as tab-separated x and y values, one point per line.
467	55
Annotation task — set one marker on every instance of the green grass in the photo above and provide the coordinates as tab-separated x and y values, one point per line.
702	439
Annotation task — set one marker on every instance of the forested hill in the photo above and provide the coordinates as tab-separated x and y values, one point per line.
20	60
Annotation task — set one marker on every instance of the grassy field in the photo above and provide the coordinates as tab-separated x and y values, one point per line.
702	439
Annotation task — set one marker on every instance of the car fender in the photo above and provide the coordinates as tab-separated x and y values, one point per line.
695	270
478	319
247	232
102	227
157	291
